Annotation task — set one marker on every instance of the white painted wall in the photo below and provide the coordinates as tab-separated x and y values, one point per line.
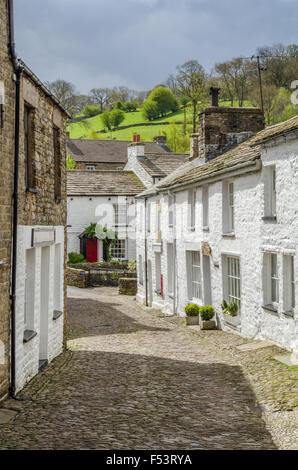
83	210
27	355
252	237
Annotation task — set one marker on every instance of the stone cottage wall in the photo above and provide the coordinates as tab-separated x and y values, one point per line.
6	189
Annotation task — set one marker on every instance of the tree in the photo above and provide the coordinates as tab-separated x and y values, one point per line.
100	97
177	141
65	92
236	76
270	93
117	116
164	98
118	105
191	80
150	110
106	120
91	110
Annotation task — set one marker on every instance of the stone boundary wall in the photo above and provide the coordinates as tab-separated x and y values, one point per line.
88	277
76	278
128	286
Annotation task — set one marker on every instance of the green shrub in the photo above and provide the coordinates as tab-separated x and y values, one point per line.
192	310
76	258
91	110
207	312
132	265
231	309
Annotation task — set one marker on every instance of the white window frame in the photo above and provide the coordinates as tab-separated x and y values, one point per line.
271	280
270	191
119	252
171	210
232	279
228	206
195	278
120	215
289	300
205	207
191	212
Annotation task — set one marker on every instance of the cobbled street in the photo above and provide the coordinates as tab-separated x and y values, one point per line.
133	379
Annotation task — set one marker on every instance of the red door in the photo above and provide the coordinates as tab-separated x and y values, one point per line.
91	251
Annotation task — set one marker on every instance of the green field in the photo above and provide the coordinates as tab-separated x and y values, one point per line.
82	129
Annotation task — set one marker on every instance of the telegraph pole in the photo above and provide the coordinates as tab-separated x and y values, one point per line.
260	82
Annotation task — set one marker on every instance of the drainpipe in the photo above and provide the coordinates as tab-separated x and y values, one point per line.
146	256
18	73
175	300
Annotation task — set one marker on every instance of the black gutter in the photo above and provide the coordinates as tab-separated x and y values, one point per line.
18	73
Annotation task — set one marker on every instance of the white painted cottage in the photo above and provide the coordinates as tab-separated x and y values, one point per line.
225	226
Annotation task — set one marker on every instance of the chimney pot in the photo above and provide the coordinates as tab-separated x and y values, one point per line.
214	92
136	138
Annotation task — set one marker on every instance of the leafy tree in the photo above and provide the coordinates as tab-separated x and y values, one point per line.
131	106
70	163
270	92
107	120
164	98
91	110
117	116
65	92
177	141
236	76
150	110
191	79
118	105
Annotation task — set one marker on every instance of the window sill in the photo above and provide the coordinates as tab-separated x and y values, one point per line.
206	228
270	307
57	314
29	335
289	313
33	190
269	218
229	235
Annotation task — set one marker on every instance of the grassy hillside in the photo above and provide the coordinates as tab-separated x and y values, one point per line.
82	129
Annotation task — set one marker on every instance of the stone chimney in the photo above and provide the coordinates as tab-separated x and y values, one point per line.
136	150
221	128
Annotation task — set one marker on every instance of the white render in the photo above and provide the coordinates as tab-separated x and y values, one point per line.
84	210
251	239
136	152
28	354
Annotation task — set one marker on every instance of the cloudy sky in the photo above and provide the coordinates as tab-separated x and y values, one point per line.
138	43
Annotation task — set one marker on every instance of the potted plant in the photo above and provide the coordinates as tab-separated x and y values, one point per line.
230	312
192	314
206	315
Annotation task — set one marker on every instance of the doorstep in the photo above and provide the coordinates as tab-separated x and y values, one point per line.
254	345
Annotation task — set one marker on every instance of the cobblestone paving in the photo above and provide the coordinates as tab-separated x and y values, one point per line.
133	379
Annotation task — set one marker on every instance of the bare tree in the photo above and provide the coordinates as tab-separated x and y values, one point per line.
65	92
191	79
100	97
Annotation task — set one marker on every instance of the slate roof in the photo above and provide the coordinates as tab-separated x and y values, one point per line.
247	151
277	130
162	165
106	151
103	183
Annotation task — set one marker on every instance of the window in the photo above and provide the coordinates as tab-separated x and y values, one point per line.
120	214
118	250
195	275
158	273
90	167
57	278
205	201
270	192
170	266
141	272
232	281
228	207
29	145
192	196
288	283
57	162
29	290
271	280
171	210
